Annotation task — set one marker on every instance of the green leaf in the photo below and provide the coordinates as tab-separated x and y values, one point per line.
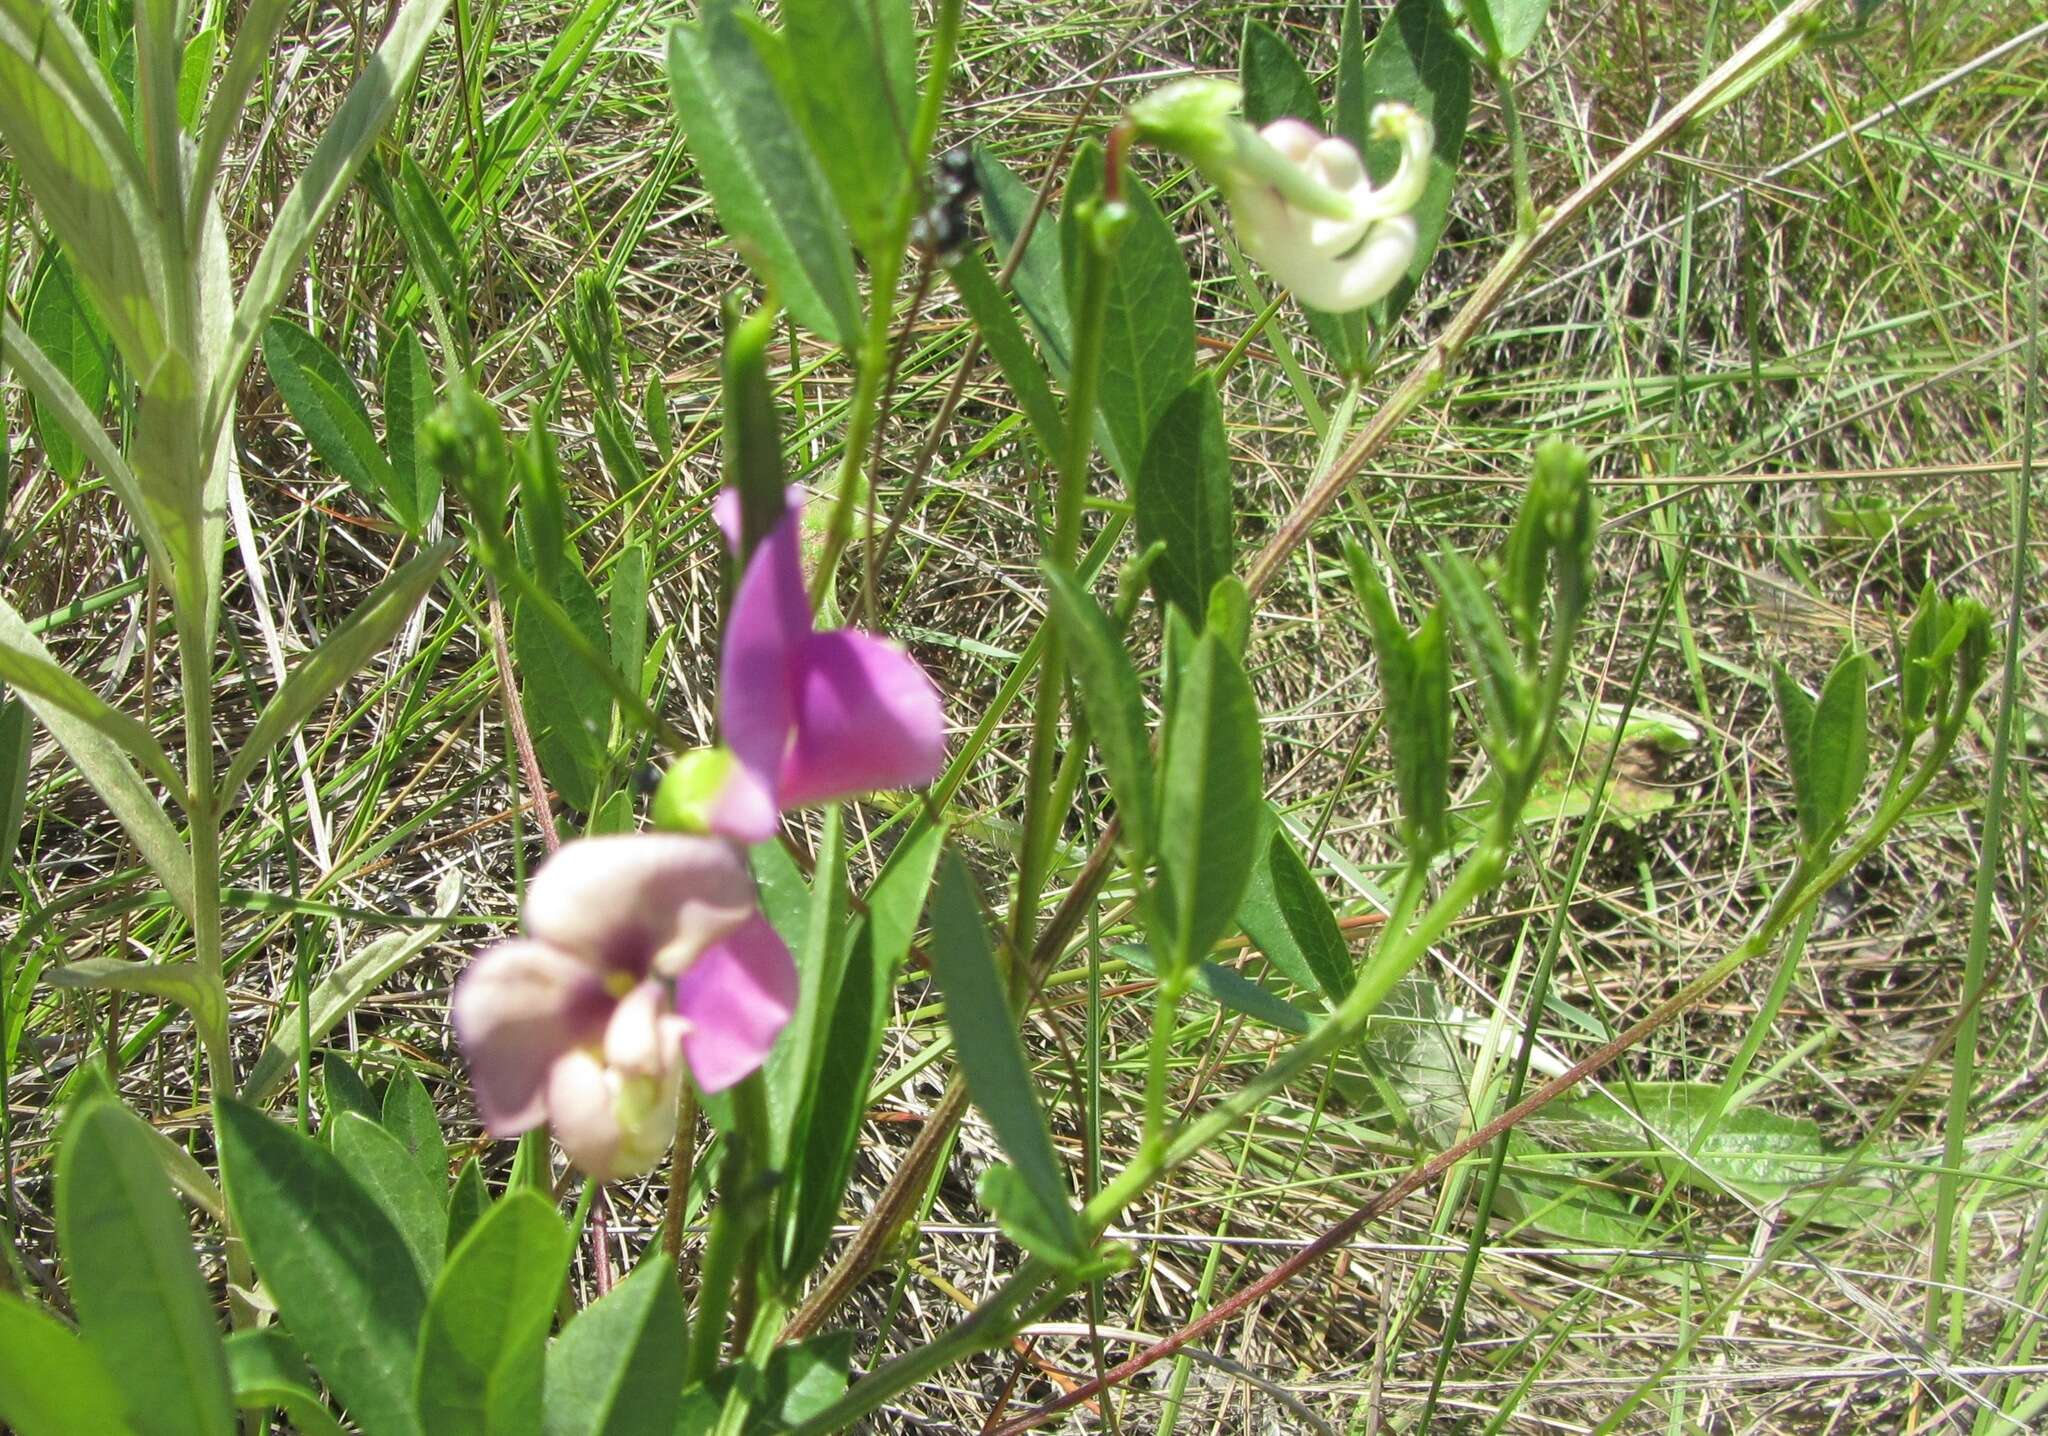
853	59
1007	203
1184	499
753	439
409	1115
322	397
1148	330
613	1371
992	1055
268	1374
177	982
1287	916
47	686
1115	707
51	1384
342	1277
828	1129
345	1092
344	142
1415	684
66	136
195	68
1795	722
1275	84
100	758
481	1348
1749	1149
791	1070
1418	59
1004	339
133	1278
1516	24
1838	748
1209	780
1227	988
15	753
1503	688
568	710
770	197
625	601
341	656
392	1177
415	490
799	1381
467	1202
62	323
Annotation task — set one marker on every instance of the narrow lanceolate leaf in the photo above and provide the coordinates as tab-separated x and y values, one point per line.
384	1168
1838	749
408	399
344	143
31	672
322	396
1115	709
1417	58
409	1115
1286	914
63	405
342	655
1183	498
177	982
853	61
765	185
992	1055
133	1276
1004	339
568	707
1148	332
65	135
15	745
1209	780
337	994
61	321
1795	723
859	1009
51	1384
1275	84
339	1271
101	759
480	1358
1007	203
613	1371
269	1375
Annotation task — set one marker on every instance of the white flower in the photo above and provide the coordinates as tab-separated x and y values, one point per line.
1320	226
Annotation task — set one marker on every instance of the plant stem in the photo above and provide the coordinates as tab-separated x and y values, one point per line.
1063	552
1963	1074
1518	149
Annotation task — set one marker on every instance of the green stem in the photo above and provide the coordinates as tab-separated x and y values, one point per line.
886	268
1063	553
1963	1075
1518	151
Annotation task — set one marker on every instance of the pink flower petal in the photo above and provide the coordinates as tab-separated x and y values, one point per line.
637	903
736	998
764	637
518	1008
745	808
868	717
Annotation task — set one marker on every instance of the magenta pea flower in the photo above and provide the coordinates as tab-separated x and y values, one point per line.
808	717
640	954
